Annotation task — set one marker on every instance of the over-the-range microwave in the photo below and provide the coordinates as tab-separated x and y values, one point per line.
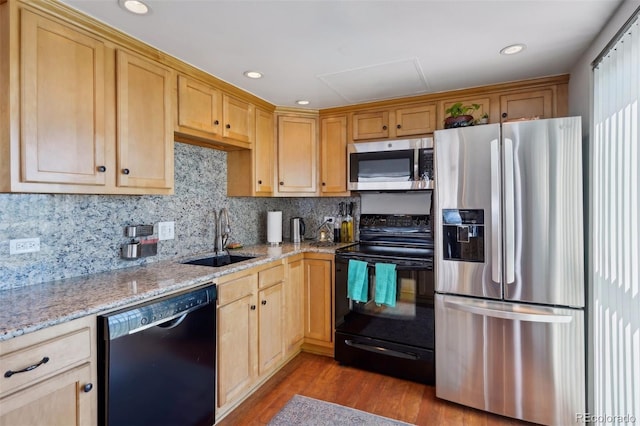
396	165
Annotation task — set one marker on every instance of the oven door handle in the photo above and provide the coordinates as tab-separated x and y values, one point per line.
381	350
417	267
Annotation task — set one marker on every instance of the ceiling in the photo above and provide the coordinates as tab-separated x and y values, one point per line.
342	52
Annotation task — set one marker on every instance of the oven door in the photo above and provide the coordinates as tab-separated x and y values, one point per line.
410	322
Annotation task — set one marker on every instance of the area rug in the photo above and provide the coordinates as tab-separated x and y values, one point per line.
301	410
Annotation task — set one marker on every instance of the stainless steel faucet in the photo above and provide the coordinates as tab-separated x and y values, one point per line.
222	226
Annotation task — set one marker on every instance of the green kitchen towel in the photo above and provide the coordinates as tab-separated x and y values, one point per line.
357	282
386	279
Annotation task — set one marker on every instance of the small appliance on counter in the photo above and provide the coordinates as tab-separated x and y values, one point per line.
297	229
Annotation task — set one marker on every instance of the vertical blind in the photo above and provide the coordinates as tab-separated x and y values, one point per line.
614	232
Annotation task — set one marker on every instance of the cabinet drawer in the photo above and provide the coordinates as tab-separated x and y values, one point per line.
271	276
236	289
61	352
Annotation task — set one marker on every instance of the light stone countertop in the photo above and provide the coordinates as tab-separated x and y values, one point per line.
27	309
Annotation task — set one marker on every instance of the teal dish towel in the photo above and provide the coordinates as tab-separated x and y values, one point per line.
357	282
386	279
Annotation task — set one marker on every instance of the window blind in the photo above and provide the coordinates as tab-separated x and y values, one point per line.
614	232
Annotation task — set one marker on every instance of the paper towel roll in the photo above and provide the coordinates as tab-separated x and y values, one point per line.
274	227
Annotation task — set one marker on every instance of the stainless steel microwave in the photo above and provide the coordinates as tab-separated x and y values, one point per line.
397	165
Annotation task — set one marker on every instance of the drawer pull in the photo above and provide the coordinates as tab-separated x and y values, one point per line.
10	373
87	387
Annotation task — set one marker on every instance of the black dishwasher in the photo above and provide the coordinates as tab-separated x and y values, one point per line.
157	362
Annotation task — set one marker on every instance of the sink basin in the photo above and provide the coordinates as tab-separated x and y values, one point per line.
218	260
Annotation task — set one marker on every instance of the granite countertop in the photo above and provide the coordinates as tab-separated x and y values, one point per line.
27	309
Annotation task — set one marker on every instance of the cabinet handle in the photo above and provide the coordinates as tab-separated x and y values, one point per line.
253	307
102	169
125	171
10	373
324	184
87	387
399	126
216	122
259	182
384	127
264	302
281	183
228	126
504	115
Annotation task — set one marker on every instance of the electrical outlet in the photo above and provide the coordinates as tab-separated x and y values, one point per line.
166	230
329	219
24	245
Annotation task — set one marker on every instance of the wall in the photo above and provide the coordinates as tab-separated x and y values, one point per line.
82	234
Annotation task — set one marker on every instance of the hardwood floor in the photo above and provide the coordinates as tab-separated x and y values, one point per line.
323	378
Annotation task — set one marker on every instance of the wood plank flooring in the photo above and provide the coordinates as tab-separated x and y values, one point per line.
323	378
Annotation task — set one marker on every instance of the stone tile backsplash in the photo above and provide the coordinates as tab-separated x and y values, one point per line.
82	234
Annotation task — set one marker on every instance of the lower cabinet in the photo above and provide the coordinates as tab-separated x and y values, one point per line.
49	376
294	304
250	335
318	303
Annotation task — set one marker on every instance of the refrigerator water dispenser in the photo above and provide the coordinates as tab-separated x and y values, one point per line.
463	235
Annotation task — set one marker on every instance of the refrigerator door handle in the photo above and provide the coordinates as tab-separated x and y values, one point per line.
496	238
509	213
531	316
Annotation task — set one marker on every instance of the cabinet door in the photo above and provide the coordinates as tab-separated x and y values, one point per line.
333	148
294	305
271	327
263	148
145	131
238	119
415	120
371	125
63	104
297	155
533	104
59	400
199	106
317	296
237	338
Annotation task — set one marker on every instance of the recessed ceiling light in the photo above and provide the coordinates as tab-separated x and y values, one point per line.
513	49
253	74
135	6
302	102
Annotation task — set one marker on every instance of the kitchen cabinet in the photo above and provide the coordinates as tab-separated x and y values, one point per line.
484	102
333	156
144	123
403	121
297	155
207	114
415	120
60	390
251	172
73	105
318	303
294	305
250	335
527	105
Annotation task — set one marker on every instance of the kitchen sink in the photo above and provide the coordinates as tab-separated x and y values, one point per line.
216	261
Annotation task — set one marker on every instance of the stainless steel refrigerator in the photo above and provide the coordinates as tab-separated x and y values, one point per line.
510	334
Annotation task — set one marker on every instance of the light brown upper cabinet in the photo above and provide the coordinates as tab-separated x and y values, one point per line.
483	102
333	155
403	121
144	117
370	125
251	172
59	112
206	114
525	105
415	120
61	136
297	155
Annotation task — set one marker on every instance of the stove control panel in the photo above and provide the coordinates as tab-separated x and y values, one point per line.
393	221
